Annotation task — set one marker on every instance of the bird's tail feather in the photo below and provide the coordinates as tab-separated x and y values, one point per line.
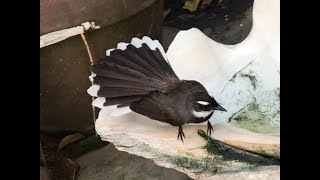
129	72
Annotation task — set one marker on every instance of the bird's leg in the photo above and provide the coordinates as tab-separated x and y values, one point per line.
180	134
209	129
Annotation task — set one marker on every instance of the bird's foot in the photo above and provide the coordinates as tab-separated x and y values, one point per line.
180	134
209	129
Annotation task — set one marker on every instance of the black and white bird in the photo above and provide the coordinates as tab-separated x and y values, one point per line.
138	77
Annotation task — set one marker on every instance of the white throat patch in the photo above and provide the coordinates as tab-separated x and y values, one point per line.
201	114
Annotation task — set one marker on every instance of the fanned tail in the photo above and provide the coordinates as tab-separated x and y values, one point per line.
129	72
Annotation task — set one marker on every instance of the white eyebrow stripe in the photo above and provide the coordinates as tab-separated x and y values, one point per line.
203	102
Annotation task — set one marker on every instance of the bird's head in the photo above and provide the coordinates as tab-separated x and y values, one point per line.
204	105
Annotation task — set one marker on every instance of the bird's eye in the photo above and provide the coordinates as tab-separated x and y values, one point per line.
203	103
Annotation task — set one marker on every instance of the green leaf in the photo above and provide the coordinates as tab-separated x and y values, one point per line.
191	5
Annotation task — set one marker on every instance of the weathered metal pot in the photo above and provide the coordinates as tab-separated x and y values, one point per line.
65	67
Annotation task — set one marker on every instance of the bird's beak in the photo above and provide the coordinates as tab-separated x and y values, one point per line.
220	108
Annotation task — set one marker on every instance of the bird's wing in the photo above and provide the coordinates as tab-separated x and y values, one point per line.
155	105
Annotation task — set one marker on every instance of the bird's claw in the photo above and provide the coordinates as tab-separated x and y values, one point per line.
209	129
180	134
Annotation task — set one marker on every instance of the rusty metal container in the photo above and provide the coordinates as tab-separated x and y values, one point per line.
65	67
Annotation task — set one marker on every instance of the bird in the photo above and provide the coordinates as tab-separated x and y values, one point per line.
137	77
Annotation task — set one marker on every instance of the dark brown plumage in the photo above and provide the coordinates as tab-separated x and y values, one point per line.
138	76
